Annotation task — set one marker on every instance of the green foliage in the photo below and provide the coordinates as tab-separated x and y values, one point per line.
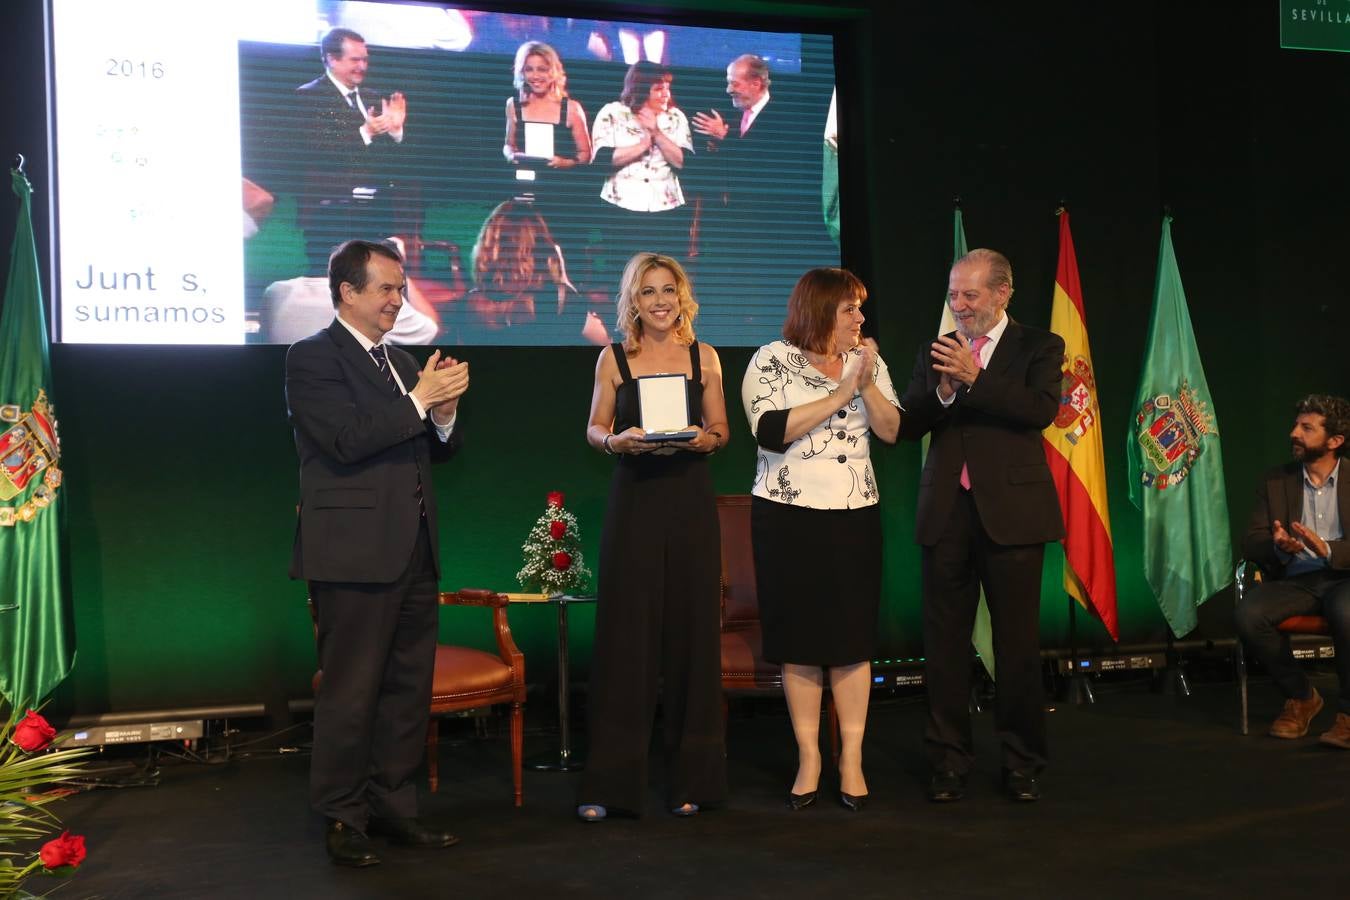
24	816
542	571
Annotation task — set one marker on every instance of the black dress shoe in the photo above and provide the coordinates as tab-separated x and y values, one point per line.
411	833
349	847
852	802
946	786
1022	786
801	801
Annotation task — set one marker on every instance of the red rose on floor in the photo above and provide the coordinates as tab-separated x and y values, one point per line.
562	560
67	850
555	498
557	528
33	733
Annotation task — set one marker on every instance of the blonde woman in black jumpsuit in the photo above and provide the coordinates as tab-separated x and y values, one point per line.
657	618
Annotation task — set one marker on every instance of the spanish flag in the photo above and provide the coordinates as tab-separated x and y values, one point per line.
1073	447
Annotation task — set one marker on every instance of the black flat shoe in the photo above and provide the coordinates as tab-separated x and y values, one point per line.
349	847
853	802
946	787
411	833
801	801
1021	787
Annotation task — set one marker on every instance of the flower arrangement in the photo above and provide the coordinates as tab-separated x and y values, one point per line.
553	560
27	762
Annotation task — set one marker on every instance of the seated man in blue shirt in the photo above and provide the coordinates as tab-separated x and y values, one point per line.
1297	536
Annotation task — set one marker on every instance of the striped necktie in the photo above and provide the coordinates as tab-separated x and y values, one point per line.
382	360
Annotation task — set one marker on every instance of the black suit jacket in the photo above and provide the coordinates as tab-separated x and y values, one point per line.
336	158
771	175
1280	496
994	428
362	450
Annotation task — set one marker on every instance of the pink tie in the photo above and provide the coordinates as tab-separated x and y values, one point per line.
975	347
746	118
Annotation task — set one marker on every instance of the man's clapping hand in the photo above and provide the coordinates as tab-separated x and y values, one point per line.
392	116
440	385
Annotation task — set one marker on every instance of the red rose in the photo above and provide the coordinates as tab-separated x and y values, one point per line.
562	560
557	528
555	498
67	850
33	733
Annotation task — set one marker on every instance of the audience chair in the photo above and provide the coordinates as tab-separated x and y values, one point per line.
1292	626
466	678
744	670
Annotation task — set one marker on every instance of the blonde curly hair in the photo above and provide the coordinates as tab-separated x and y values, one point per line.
555	65
629	324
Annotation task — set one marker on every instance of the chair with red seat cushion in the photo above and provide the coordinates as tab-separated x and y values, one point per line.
466	678
1309	626
744	670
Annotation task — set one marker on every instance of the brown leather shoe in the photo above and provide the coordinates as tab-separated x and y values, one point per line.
1293	722
1339	733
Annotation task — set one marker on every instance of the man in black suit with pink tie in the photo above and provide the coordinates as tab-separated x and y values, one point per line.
986	508
758	174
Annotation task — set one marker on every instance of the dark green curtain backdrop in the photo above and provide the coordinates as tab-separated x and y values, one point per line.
181	473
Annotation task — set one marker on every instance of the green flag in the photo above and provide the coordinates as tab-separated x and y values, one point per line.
829	173
983	635
37	639
1176	461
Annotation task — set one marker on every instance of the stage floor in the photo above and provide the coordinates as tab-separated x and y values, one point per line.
1147	795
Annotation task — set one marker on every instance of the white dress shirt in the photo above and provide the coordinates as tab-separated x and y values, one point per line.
361	105
443	431
986	352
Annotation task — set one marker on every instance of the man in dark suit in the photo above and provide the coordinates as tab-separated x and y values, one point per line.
748	83
368	425
758	176
1297	536
986	508
348	136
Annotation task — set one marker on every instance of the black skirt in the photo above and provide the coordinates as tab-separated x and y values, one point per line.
818	576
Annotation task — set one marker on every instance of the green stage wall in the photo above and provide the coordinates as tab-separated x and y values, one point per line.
181	474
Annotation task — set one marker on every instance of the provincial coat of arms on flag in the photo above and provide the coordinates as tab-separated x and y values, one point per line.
1171	433
29	447
1075	399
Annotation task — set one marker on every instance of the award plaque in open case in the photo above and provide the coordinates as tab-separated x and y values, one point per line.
663	404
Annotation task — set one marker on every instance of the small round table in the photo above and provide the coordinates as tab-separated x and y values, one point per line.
564	762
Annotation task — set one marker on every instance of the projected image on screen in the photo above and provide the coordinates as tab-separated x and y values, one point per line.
515	161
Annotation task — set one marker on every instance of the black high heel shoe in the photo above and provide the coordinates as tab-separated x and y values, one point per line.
852	802
801	801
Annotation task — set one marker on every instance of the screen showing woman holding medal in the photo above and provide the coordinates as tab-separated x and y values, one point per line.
660	560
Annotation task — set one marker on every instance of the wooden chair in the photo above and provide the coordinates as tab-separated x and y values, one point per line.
1309	626
744	670
466	678
743	667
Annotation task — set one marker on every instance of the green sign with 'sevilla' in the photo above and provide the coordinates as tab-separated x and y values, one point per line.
1315	25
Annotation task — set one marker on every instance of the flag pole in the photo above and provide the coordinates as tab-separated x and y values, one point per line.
1173	678
1077	688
